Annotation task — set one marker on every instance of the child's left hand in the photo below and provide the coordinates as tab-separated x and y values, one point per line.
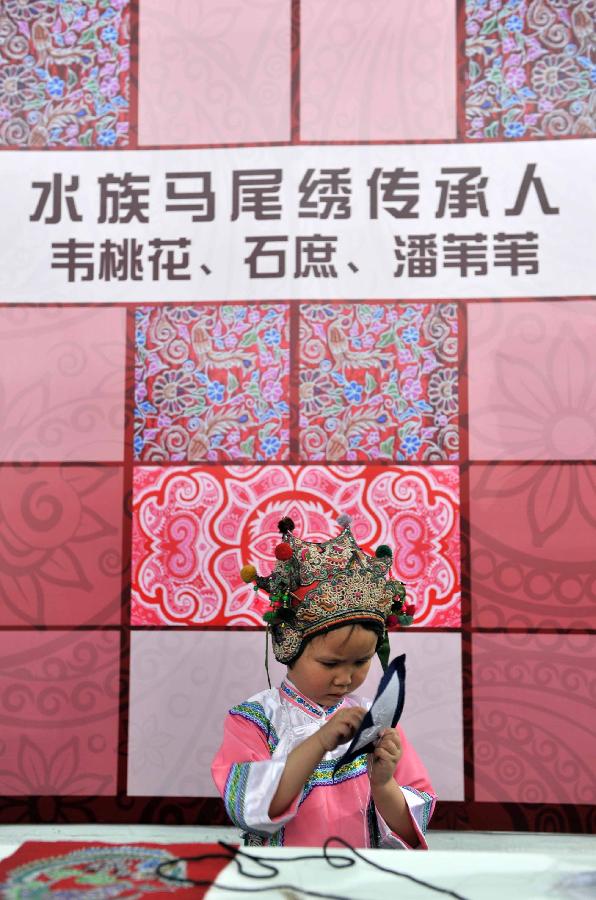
385	757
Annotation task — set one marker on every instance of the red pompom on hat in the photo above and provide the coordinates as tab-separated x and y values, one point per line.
283	551
410	609
391	621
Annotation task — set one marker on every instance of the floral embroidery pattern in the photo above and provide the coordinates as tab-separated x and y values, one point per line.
64	73
378	382
212	382
530	68
94	871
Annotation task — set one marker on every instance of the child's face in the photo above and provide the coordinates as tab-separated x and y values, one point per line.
334	664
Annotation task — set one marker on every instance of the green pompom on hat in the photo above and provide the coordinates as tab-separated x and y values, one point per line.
384	552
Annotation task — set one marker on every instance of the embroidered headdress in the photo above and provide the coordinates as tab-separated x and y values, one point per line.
317	586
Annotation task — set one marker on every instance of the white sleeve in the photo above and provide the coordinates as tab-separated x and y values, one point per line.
420	807
248	768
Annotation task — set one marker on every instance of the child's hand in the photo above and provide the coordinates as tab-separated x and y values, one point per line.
385	757
341	728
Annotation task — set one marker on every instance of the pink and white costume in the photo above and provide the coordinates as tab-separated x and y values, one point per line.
260	733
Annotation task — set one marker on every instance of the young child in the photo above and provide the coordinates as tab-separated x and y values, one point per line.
330	604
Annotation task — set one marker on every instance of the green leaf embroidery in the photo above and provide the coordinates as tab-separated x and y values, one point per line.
489	25
387	338
247	446
249	338
370	383
266	430
386	448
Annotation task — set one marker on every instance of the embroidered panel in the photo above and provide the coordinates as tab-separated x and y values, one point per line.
64	73
194	528
212	383
379	382
530	68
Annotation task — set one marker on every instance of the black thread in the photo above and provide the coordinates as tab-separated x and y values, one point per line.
271	865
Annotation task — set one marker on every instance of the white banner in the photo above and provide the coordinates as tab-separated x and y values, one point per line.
317	222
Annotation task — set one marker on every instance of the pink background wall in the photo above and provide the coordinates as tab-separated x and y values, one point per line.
184	683
377	71
532	380
125	632
214	73
61	384
60	694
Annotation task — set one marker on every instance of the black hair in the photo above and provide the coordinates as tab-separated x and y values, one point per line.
367	624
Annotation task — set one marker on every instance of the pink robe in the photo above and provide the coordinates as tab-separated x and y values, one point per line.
260	733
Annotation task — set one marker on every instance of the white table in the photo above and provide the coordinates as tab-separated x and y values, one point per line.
512	867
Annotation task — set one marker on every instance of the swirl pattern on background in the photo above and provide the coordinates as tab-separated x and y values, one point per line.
62	383
530	69
60	545
229	515
213	72
532	545
532	390
373	70
59	698
534	697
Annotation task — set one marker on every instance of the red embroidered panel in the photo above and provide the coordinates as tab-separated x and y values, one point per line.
194	528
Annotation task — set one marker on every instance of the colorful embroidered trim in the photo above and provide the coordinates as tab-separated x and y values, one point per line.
323	774
234	793
299	700
255	713
428	807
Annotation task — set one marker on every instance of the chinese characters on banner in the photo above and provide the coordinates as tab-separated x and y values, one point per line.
426	221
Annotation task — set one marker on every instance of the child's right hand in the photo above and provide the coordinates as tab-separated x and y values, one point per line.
341	728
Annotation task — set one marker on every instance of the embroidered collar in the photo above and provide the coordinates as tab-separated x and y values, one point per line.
289	692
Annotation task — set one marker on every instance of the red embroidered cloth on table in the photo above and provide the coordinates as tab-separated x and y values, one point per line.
114	871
